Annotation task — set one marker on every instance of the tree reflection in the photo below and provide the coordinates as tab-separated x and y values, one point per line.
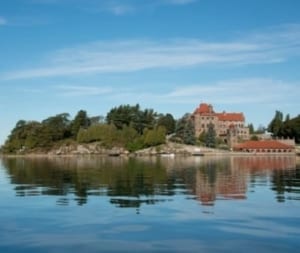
286	183
130	183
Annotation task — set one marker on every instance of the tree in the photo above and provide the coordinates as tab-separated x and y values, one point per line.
168	122
276	124
81	120
251	128
287	118
210	139
122	115
260	130
96	120
202	137
254	138
185	130
189	133
57	127
155	136
126	115
291	129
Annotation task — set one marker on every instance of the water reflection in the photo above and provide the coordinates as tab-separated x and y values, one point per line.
132	182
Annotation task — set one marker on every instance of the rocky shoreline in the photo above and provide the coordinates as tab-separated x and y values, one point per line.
97	149
168	150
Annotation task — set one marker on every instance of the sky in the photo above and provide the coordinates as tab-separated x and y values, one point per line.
170	55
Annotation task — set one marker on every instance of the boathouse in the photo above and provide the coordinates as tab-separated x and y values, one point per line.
264	146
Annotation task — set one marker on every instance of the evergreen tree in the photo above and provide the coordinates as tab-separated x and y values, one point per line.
81	120
210	140
155	136
56	127
185	130
168	122
276	124
189	133
251	128
126	115
202	137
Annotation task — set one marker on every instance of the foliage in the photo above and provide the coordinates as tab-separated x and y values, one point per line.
168	122
126	115
276	124
289	128
81	120
260	130
32	134
251	128
185	130
127	137
57	127
202	137
100	132
155	136
210	138
254	138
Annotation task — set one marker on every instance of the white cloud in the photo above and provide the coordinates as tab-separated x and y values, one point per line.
239	91
247	91
272	46
68	90
121	9
3	21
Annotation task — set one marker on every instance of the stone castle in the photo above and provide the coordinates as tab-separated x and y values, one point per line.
230	127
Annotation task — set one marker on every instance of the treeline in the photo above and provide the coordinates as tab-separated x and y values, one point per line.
285	127
124	126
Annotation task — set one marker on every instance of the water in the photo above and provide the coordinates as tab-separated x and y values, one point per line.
196	204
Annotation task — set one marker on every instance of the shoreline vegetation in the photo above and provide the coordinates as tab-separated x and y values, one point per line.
131	131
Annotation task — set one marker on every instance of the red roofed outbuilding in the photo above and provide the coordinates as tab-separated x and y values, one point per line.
264	146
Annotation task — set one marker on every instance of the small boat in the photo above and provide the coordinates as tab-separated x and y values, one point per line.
197	152
167	154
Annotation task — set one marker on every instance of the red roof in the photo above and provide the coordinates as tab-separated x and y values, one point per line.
207	110
230	116
266	144
204	108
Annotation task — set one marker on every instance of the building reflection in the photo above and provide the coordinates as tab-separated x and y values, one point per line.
228	178
130	183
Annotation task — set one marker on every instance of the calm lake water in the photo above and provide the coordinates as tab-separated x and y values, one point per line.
195	204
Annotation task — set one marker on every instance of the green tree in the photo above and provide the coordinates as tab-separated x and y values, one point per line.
127	135
81	120
276	124
287	118
126	115
251	128
254	138
189	133
185	130
168	122
260	129
155	136
122	115
16	139
202	137
291	129
210	139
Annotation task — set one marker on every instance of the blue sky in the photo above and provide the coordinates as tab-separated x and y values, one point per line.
170	55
